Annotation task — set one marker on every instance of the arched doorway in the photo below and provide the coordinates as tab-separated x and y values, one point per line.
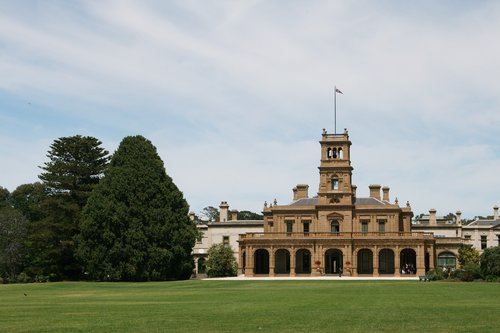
447	260
408	261
386	261
261	262
303	262
365	261
282	262
201	265
333	261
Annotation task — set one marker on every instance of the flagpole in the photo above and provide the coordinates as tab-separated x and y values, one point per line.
334	109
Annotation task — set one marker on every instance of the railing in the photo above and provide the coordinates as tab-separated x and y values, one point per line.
338	235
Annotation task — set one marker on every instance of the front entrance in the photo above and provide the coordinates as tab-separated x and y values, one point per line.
261	264
408	261
365	261
282	262
303	262
386	262
333	261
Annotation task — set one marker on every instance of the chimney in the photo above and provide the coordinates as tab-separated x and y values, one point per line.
374	191
385	191
495	212
234	215
459	217
432	217
301	191
354	188
224	207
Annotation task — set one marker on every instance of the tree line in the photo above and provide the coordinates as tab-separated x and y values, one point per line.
97	216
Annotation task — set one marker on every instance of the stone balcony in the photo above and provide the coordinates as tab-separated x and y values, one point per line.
339	235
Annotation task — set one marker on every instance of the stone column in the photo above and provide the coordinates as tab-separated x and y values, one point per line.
317	255
354	262
292	262
271	261
420	251
397	269
375	261
250	262
431	258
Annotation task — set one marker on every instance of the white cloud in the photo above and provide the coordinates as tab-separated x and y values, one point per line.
248	87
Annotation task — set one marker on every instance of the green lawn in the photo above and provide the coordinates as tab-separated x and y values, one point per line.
251	306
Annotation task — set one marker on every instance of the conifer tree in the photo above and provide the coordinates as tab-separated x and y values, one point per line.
135	226
75	166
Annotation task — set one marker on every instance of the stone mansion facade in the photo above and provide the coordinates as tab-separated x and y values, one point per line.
337	231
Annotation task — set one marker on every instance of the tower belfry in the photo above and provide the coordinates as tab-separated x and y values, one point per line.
335	170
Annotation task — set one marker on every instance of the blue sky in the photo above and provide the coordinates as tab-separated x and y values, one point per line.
235	94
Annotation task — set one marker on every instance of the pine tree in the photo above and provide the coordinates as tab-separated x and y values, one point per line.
75	166
135	226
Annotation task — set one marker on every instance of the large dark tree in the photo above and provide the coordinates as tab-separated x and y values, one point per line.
75	166
4	197
135	226
13	232
29	200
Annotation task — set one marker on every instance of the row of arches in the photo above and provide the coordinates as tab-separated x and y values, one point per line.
334	262
334	153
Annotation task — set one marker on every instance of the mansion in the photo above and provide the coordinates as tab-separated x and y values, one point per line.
338	232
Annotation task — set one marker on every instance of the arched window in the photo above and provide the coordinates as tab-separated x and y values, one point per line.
335	226
334	153
329	153
335	183
341	153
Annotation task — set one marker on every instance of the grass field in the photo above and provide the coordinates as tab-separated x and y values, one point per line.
251	306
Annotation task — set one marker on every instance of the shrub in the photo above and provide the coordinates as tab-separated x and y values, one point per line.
23	278
221	261
492	278
490	261
437	274
468	272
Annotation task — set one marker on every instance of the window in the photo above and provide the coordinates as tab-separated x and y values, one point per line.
364	227
335	183
335	227
306	227
225	240
446	260
289	226
381	226
484	241
498	240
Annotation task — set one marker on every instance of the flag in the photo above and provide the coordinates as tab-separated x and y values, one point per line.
338	91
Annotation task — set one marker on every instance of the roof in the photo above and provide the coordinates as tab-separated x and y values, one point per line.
370	202
305	202
485	223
